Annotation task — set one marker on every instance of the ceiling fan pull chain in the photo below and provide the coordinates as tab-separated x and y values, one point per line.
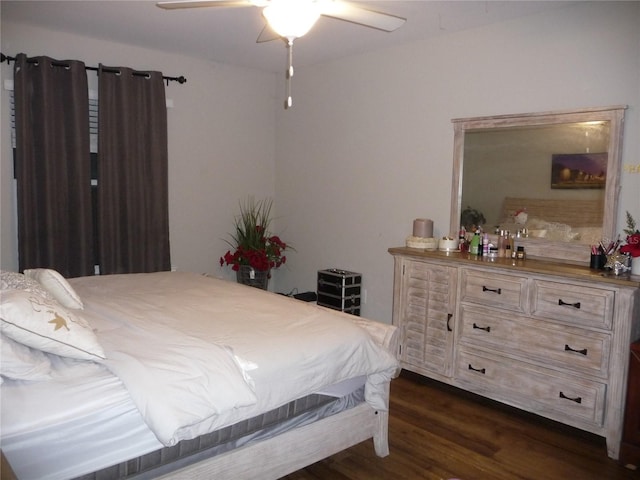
288	103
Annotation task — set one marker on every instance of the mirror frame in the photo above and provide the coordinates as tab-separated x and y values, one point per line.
539	247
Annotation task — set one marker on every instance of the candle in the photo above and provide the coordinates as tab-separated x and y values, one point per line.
423	227
428	228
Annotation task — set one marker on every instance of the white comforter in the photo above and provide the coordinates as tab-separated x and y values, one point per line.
198	353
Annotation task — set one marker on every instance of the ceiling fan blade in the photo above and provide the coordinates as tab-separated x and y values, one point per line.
204	3
355	14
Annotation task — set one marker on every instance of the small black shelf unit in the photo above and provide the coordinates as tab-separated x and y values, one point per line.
340	289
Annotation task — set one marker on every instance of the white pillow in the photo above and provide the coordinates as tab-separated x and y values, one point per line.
18	281
20	362
57	286
44	324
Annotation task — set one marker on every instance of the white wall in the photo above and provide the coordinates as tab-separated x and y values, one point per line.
368	146
221	140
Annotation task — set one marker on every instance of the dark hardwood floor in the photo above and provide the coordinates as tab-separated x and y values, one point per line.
438	432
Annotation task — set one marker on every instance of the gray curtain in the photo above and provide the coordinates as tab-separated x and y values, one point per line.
53	165
133	217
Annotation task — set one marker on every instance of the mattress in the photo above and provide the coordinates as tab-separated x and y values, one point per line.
91	429
88	422
292	415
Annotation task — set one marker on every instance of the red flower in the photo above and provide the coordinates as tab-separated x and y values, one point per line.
633	245
252	244
267	256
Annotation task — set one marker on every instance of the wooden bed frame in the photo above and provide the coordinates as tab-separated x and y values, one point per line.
296	449
278	456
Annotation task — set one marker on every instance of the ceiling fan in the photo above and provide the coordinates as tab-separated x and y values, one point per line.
291	19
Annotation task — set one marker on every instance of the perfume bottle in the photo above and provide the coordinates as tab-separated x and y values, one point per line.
462	240
502	242
475	245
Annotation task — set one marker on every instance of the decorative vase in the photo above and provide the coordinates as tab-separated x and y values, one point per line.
635	266
247	275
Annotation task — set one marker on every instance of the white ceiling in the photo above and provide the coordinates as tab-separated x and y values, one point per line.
228	35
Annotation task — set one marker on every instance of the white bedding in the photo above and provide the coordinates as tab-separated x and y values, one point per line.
80	420
176	380
83	418
170	326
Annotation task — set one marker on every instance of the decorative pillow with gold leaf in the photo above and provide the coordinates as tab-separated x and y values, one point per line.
54	283
44	324
19	281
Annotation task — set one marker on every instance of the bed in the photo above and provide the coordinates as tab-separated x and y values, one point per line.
547	218
179	375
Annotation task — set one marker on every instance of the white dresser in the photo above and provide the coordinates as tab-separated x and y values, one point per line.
549	338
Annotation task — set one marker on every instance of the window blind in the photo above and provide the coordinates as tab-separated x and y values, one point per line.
93	119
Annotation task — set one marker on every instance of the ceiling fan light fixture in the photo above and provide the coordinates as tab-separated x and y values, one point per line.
291	18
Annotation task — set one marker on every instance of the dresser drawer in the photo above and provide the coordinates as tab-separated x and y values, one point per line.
506	291
556	346
546	392
585	306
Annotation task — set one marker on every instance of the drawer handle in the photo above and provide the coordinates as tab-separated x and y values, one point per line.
567	348
479	370
449	315
574	305
477	327
494	290
577	399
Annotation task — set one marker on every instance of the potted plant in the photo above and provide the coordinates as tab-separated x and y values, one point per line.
632	248
472	219
254	250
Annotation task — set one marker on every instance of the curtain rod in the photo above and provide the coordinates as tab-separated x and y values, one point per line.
179	79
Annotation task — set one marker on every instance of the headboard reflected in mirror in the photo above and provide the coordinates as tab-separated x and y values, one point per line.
554	175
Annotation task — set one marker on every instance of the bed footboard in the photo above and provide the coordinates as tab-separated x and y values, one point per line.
381	434
295	449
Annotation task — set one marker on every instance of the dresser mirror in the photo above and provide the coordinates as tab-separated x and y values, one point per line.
550	178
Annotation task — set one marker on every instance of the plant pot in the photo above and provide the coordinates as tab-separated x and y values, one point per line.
247	275
635	266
